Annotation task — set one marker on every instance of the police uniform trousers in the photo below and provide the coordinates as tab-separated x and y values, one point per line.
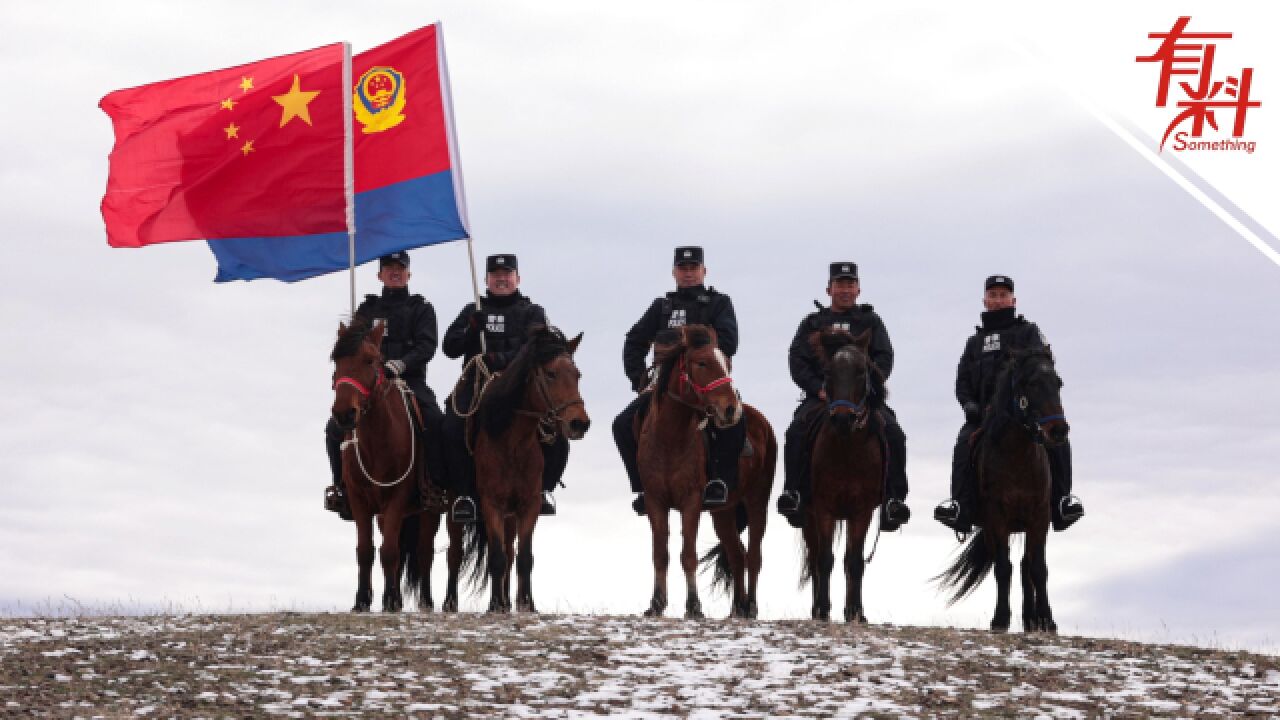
430	435
724	445
797	450
964	485
460	470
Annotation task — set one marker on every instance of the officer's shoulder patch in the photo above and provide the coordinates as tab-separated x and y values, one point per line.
371	297
866	307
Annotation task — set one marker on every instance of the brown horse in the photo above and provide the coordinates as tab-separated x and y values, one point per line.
847	469
535	400
382	464
1014	488
693	387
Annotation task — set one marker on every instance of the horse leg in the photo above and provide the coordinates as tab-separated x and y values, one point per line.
998	544
454	557
727	531
389	524
428	526
509	549
855	566
524	562
1030	623
659	526
364	559
823	562
689	518
756	515
493	526
1040	578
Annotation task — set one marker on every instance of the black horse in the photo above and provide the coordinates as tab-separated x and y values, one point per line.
1014	488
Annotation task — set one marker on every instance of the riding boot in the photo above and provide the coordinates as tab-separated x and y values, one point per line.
460	468
624	437
724	447
554	459
796	486
895	513
958	512
1066	508
335	496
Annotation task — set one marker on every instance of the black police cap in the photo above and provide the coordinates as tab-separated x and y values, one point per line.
844	270
996	280
398	256
501	262
690	255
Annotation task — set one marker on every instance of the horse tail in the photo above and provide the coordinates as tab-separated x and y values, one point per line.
969	570
410	557
717	560
475	555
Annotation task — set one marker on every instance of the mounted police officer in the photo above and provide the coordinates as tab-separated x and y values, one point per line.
806	370
692	303
1001	331
408	345
503	320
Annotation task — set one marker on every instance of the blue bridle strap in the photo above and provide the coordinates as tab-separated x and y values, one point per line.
837	404
1048	418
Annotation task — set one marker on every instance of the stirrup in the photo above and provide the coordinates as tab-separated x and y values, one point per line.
1068	511
950	514
716	494
335	501
464	510
548	504
638	505
894	514
788	502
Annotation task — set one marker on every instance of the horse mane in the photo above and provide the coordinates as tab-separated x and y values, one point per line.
670	343
351	340
1001	402
506	391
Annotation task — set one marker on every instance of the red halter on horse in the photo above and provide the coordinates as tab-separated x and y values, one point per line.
694	388
382	469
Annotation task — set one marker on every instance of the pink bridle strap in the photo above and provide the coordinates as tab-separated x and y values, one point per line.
359	386
700	389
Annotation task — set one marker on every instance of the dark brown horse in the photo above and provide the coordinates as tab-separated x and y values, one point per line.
533	401
382	465
1014	488
847	470
693	387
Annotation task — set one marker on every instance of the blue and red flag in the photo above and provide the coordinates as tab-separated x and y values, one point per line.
253	150
408	190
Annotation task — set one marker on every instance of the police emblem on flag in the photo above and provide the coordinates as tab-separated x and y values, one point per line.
379	99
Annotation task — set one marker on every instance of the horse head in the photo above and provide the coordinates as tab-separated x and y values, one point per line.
1034	388
556	381
704	375
847	374
358	370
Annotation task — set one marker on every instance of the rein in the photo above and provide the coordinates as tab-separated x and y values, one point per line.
400	385
699	391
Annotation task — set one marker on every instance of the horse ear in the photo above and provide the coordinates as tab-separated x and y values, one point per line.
375	337
342	328
863	341
573	344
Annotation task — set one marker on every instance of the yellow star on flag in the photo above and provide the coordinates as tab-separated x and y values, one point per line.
228	104
231	130
246	83
247	147
295	102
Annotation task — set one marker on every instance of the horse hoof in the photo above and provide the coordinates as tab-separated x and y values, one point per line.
426	607
360	608
999	629
694	614
526	608
654	612
449	606
855	616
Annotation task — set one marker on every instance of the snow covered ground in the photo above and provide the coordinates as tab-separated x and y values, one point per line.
572	666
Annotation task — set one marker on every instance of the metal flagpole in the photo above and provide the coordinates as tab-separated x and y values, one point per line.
349	168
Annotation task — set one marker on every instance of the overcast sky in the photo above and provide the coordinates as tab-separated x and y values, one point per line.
162	445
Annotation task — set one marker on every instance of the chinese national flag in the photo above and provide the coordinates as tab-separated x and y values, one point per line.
253	151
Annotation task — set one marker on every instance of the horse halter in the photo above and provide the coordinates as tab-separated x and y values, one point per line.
549	420
365	392
699	391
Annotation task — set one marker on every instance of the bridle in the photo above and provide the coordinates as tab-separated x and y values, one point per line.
1020	405
860	411
380	382
550	424
699	391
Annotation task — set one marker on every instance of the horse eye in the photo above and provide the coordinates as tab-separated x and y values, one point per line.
700	364
551	374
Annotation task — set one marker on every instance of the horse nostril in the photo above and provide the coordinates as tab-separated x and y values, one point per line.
579	426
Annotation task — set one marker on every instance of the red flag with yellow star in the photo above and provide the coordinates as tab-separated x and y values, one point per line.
251	151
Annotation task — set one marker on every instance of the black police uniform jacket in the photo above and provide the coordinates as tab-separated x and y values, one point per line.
507	320
697	305
411	330
806	368
985	351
